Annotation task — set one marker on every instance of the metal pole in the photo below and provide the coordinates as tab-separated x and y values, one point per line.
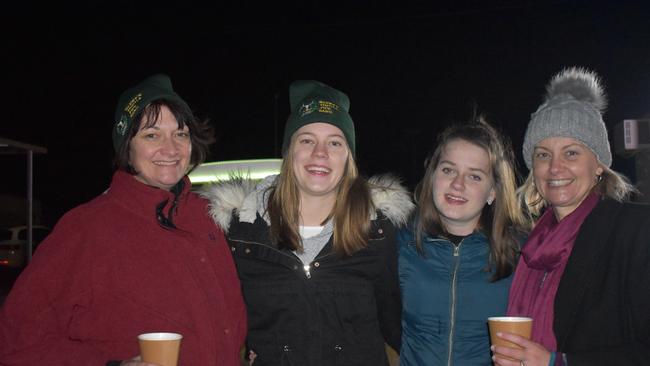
276	97
30	160
642	165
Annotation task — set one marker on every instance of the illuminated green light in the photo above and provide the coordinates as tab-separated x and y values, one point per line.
224	170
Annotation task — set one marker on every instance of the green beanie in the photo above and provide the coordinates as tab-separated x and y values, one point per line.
134	99
311	102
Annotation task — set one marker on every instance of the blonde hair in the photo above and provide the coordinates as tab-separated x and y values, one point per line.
609	184
351	211
503	221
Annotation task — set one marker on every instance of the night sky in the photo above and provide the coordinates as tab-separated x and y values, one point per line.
409	69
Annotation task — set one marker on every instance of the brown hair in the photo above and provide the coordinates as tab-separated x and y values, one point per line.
201	133
351	211
503	221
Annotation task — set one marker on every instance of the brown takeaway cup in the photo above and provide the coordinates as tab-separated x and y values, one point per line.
521	326
160	348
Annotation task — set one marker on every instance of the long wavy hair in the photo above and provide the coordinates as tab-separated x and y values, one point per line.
351	211
503	222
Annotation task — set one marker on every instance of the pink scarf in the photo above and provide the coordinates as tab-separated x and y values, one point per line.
538	275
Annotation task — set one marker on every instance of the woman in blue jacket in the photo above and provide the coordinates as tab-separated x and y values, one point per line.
457	258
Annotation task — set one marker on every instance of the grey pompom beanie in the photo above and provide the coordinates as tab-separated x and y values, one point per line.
574	104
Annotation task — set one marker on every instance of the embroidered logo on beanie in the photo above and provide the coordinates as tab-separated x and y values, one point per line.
322	106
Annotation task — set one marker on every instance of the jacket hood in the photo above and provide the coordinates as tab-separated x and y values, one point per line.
247	198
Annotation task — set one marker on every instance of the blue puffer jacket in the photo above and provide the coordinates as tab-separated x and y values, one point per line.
447	297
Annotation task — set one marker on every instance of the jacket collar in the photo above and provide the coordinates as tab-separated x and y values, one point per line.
144	199
476	235
244	198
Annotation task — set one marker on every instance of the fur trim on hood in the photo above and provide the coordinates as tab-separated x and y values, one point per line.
243	196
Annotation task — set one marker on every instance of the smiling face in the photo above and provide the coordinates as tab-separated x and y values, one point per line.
462	185
564	171
319	154
160	154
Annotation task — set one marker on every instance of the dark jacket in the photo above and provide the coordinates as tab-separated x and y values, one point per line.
602	305
447	298
337	311
113	269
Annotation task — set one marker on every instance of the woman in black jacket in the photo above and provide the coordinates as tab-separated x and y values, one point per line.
315	246
584	273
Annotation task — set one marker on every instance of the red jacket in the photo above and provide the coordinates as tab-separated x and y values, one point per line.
110	271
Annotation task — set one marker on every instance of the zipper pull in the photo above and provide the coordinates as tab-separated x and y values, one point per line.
456	250
306	268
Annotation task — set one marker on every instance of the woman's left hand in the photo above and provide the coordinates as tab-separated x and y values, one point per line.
532	354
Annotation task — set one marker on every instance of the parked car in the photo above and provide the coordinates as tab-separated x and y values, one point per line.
13	244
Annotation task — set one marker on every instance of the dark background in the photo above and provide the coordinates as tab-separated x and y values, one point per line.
408	67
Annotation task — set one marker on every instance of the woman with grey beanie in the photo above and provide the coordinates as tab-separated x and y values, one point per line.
584	273
584	276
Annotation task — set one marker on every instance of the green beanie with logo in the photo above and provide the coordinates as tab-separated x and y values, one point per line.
136	98
312	102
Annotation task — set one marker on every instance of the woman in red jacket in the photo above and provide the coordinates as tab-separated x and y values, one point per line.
142	257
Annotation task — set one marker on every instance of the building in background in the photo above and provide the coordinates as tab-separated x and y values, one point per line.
632	138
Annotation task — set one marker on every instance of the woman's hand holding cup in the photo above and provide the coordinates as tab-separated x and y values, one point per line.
528	353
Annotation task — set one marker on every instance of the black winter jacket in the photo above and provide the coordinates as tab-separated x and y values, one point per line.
602	306
338	310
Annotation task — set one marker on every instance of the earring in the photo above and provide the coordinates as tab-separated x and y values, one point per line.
489	201
599	178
